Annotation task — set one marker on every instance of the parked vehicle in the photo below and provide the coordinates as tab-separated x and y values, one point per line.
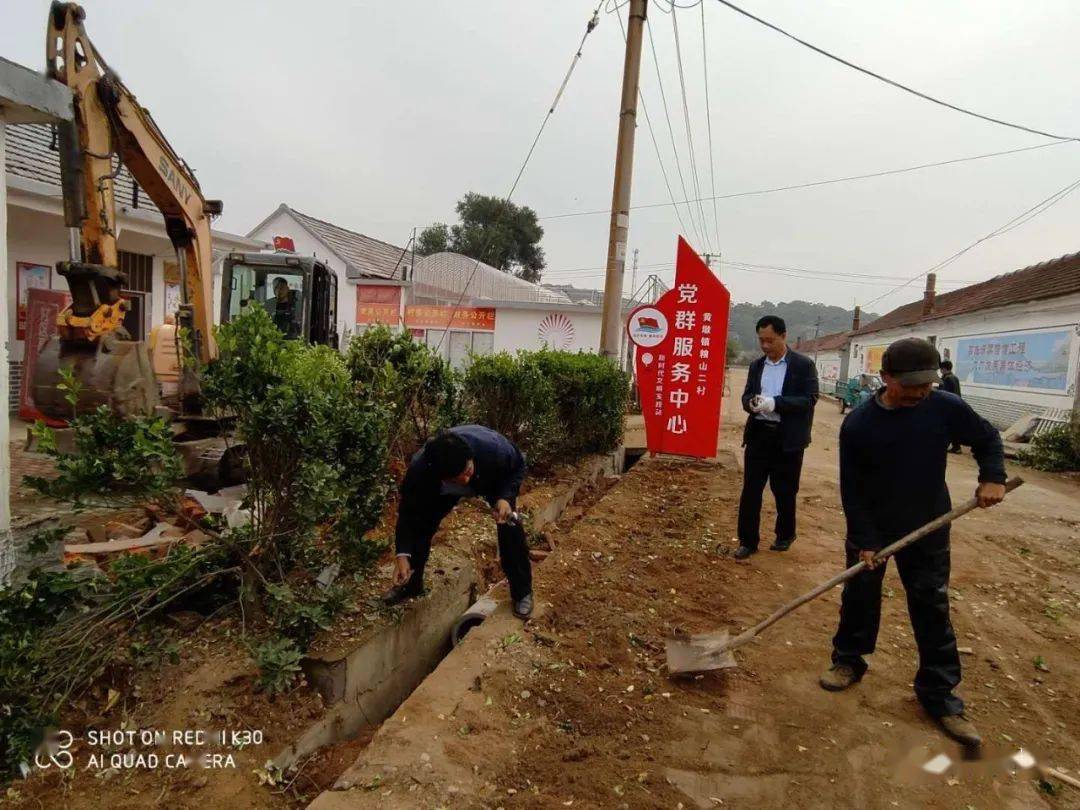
857	389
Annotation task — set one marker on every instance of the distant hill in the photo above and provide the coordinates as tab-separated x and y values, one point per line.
800	317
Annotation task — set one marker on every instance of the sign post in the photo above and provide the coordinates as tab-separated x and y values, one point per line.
681	348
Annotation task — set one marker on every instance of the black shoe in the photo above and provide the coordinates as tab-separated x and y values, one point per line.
523	607
742	552
781	545
399	593
961	729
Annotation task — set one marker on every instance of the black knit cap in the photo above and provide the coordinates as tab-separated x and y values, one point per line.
912	361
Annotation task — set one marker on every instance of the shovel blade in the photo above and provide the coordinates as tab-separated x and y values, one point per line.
699	653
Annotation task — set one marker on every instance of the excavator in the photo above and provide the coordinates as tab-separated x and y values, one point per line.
110	368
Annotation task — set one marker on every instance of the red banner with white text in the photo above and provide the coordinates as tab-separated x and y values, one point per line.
681	345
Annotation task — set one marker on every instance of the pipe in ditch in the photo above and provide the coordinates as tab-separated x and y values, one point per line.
475	615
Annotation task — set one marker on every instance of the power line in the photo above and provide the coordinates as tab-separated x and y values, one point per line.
1015	222
589	27
708	119
671	131
652	135
689	133
815	183
889	81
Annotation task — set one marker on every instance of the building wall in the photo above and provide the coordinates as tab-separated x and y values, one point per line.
525	329
7	553
1001	405
828	366
283	224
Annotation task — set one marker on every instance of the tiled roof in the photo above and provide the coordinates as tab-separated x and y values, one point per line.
32	154
1049	279
363	255
825	343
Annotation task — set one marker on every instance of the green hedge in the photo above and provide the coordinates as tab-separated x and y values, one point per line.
1056	450
555	406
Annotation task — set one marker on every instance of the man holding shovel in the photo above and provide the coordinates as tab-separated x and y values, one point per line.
892	480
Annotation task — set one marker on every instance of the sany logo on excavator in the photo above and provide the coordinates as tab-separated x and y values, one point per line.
174	180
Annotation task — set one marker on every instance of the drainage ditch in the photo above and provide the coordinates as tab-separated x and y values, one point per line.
365	680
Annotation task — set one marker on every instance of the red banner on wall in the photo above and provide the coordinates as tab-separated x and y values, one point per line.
681	346
42	307
477	319
377	303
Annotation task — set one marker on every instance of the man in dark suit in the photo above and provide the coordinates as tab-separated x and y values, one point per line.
950	383
781	391
463	462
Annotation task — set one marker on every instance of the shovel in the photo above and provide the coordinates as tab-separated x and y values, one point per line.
714	650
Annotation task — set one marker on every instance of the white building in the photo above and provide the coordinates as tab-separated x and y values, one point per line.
37	240
830	355
447	300
1014	340
25	97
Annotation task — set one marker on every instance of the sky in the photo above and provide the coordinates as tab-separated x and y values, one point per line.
378	116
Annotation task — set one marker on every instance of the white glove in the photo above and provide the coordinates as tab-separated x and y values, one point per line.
766	405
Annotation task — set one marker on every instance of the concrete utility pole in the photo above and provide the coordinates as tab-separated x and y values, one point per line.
633	275
611	319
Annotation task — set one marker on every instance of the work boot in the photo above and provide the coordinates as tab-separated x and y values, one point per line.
523	607
399	593
961	729
839	677
743	552
782	545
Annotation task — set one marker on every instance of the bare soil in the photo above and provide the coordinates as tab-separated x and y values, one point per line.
576	709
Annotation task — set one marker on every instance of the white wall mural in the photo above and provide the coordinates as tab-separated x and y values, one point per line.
557	331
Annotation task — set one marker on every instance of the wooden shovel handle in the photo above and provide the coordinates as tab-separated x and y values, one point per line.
844	576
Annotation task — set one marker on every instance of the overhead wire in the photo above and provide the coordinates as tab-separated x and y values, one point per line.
590	26
671	131
689	132
1012	224
892	82
652	136
815	183
708	119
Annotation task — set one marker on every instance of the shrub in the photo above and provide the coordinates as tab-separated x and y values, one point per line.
1056	450
117	461
591	396
316	450
419	388
554	405
513	396
279	664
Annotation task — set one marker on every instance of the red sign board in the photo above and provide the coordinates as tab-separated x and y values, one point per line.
42	307
284	243
681	346
377	303
476	319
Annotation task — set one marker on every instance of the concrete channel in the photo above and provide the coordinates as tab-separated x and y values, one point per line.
365	682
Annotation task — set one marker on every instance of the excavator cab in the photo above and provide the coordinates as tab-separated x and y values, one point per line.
299	293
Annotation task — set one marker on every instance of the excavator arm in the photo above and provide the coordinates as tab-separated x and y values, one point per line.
110	124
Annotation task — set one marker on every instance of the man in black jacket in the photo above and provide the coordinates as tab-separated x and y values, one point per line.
781	391
465	461
892	481
950	383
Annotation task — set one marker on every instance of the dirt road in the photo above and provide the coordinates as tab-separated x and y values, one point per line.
575	709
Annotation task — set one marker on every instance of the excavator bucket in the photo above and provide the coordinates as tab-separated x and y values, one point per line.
111	371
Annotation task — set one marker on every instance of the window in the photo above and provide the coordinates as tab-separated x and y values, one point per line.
280	291
139	269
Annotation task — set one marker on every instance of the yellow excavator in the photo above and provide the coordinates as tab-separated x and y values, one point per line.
91	341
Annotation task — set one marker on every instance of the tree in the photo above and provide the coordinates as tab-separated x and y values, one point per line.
433	239
494	231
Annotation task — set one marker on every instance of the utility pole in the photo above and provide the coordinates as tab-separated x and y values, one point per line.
611	319
817	331
633	275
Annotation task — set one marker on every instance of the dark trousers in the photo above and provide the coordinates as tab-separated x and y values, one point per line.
764	459
924	570
513	551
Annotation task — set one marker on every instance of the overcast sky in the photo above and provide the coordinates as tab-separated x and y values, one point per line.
378	116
